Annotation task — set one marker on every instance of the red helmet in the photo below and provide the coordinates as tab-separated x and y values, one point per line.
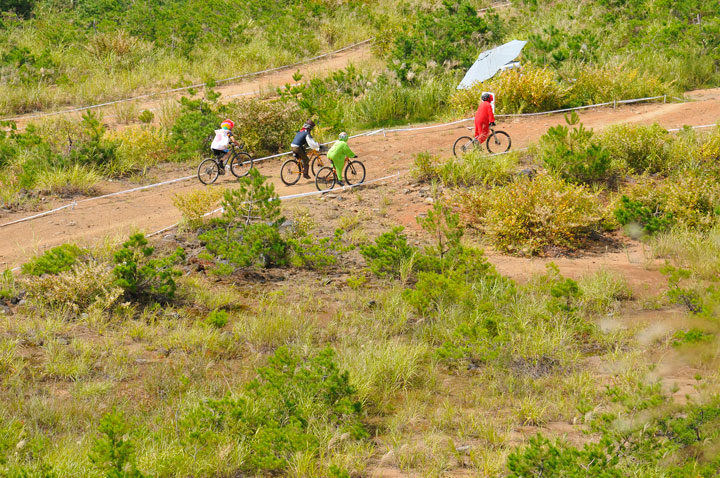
229	123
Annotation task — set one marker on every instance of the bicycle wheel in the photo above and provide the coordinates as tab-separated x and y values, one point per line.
465	144
241	164
317	163
498	142
290	172
354	172
208	171
325	179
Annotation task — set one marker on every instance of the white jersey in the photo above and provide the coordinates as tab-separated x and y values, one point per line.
222	140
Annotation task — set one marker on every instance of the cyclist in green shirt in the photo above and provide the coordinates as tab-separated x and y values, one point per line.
337	154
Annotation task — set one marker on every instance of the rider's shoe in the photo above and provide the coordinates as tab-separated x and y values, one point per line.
340	183
306	176
221	168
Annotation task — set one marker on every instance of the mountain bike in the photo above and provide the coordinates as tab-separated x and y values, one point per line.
240	163
327	177
292	169
497	142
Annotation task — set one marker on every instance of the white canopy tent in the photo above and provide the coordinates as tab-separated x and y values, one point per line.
490	62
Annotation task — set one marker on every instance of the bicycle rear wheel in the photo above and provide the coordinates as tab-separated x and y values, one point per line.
325	179
241	164
354	172
465	144
498	142
317	163
290	172
208	171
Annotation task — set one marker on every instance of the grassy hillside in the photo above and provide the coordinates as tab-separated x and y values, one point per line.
337	344
88	51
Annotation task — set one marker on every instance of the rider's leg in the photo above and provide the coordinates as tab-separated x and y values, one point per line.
305	161
338	165
484	132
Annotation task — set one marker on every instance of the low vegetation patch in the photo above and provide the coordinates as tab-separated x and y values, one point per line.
529	216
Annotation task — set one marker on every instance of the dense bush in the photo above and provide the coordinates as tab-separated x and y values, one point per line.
573	154
529	216
523	90
388	254
293	405
143	277
556	460
638	149
54	261
266	127
196	120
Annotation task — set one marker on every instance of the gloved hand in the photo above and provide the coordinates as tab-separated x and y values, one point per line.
492	124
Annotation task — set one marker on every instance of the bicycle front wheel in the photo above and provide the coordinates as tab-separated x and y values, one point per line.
208	171
465	144
354	172
498	142
241	164
325	179
317	163
290	172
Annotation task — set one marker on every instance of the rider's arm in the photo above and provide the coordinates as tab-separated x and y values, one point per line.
312	143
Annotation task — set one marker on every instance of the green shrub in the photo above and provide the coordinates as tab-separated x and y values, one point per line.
142	277
425	167
146	116
638	149
529	216
217	319
254	199
8	288
312	253
649	216
54	261
557	460
388	254
197	119
288	408
572	154
255	244
94	149
112	452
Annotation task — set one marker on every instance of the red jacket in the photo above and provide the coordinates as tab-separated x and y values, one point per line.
483	117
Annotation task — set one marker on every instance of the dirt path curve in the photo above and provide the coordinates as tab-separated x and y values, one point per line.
152	209
255	85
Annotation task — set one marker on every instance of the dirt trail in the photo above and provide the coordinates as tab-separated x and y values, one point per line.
253	86
152	209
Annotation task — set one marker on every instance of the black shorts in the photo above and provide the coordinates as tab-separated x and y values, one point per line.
219	154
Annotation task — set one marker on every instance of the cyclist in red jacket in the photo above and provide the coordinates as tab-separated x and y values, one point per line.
484	118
